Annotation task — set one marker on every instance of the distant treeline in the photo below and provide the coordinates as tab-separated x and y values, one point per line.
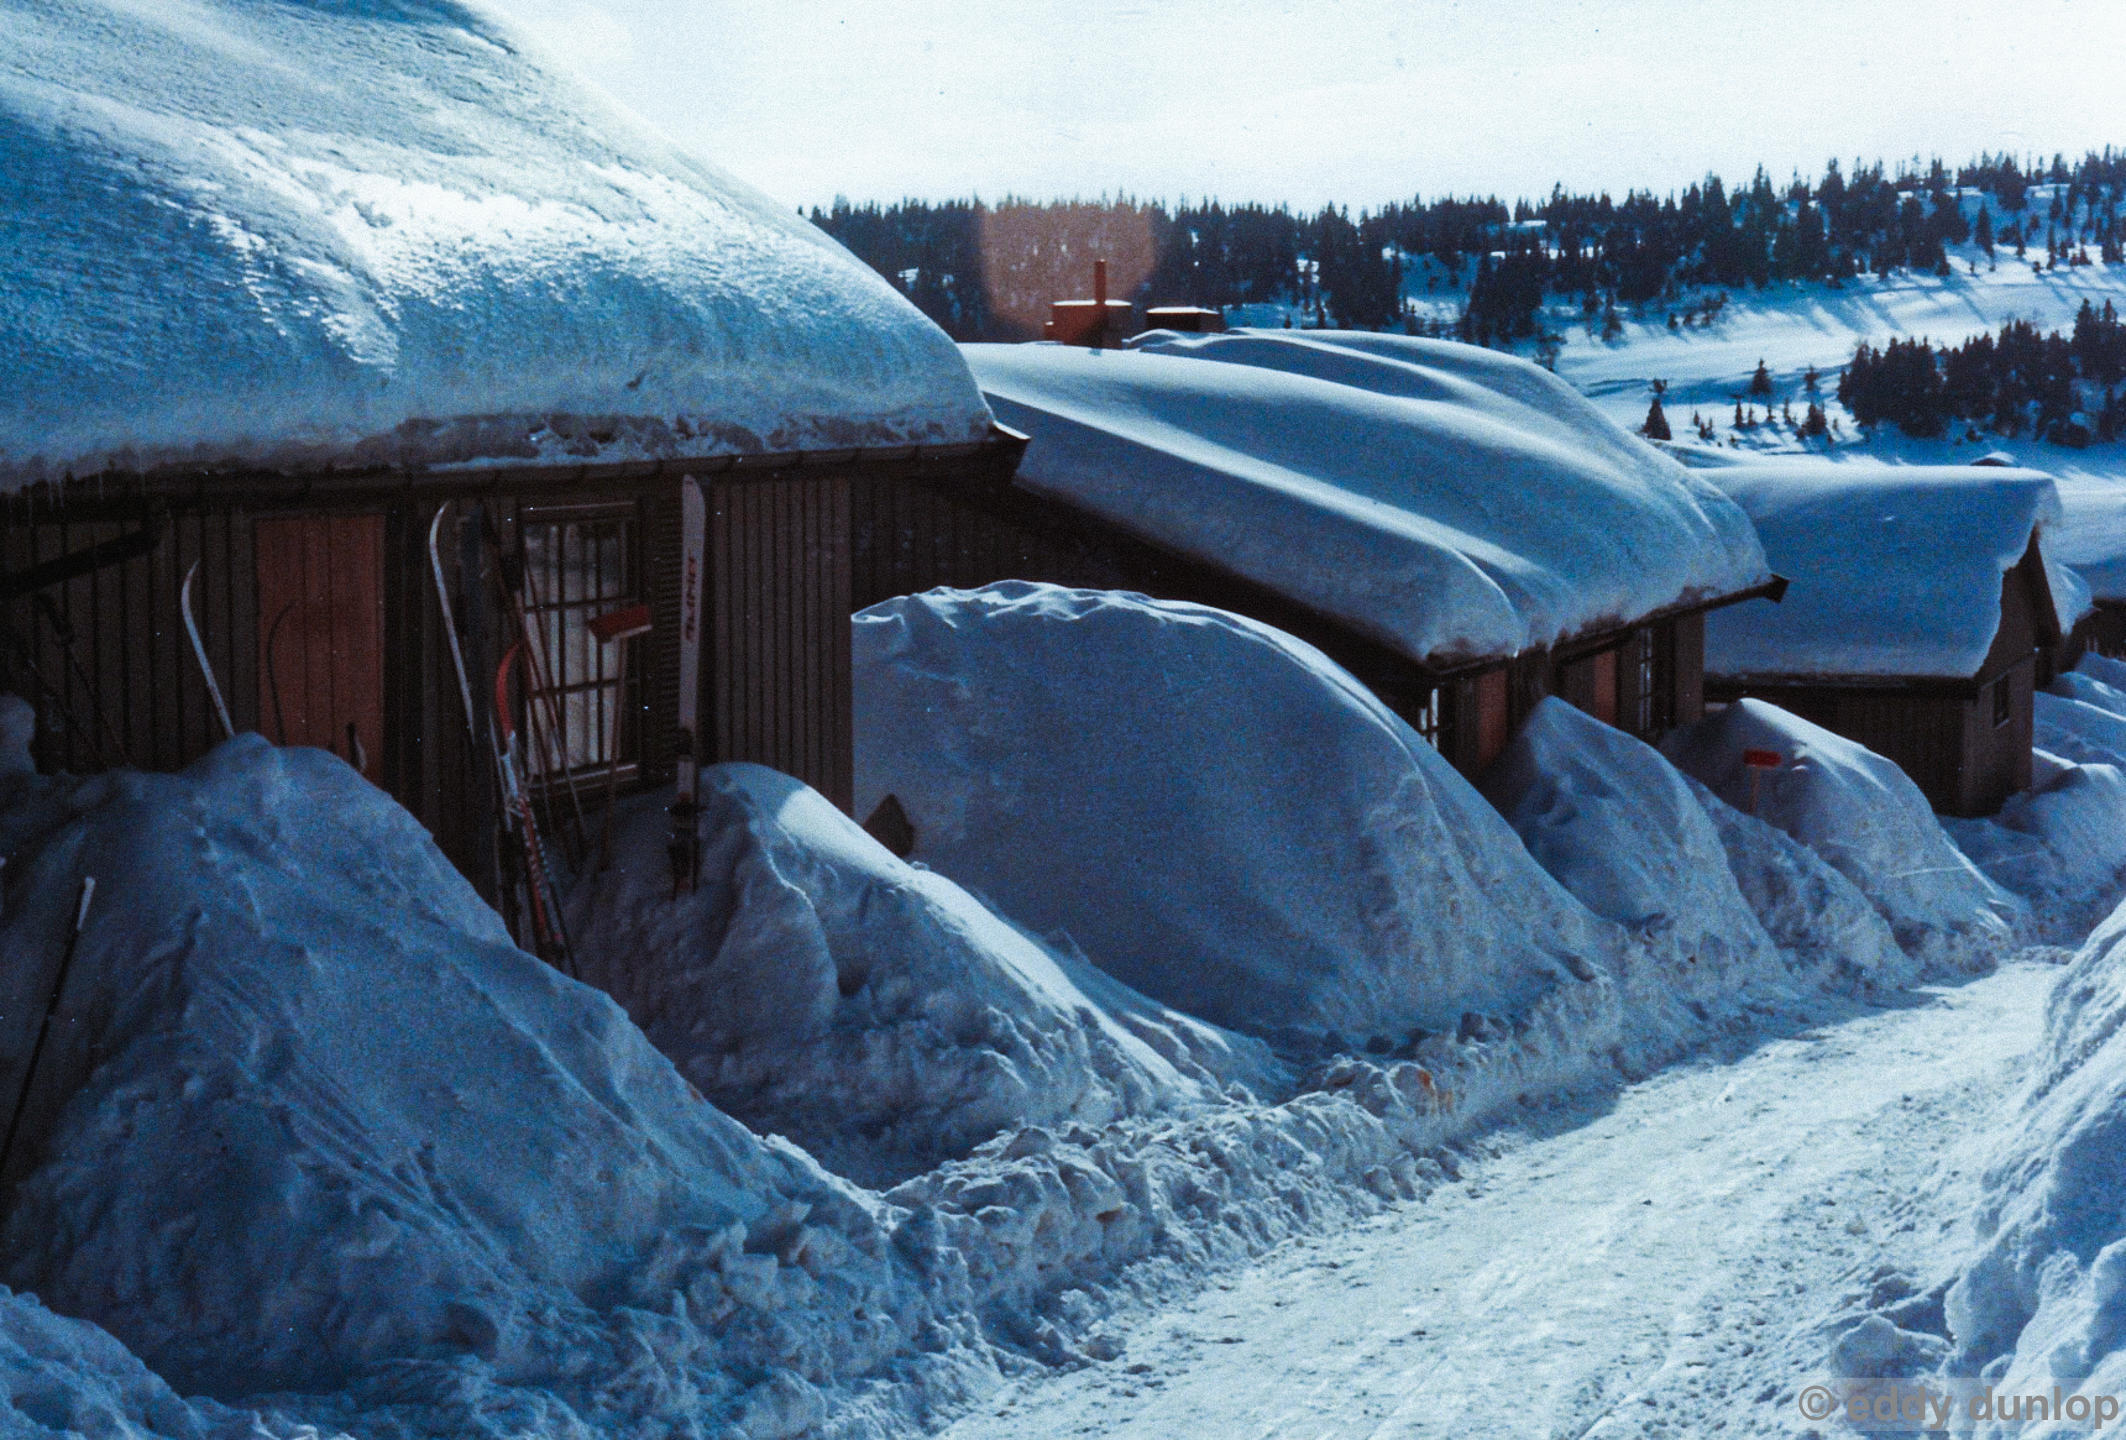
2011	382
987	272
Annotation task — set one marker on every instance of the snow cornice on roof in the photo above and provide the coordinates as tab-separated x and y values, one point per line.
293	236
1453	504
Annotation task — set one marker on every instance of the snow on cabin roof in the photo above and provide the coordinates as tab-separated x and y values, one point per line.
1451	502
1896	570
2091	536
386	231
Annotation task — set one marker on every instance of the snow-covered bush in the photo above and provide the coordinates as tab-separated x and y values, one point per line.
1215	813
1866	818
815	986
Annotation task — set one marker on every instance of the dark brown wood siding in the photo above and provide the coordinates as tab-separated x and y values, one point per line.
777	633
321	634
104	656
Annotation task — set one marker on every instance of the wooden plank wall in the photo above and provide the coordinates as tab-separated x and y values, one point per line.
778	629
321	634
126	689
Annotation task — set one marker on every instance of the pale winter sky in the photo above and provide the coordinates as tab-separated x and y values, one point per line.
1358	102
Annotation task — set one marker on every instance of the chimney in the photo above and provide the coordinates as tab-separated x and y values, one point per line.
1095	322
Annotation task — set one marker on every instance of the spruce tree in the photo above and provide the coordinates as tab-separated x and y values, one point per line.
1656	426
1761	382
1984	234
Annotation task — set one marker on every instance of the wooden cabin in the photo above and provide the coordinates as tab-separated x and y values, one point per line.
1096	504
1922	617
294	414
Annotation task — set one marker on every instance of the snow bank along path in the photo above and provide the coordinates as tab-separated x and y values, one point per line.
1675	1264
2042	1297
1864	817
395	233
1451	502
318	1144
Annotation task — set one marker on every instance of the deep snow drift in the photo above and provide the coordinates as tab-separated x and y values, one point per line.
393	233
1642	845
1189	795
1447	500
1866	818
312	1123
875	1013
1215	813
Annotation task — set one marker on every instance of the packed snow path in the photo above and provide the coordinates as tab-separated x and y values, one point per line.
1670	1265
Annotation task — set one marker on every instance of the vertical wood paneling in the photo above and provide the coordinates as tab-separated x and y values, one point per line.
321	578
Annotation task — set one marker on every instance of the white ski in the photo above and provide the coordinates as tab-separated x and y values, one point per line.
199	652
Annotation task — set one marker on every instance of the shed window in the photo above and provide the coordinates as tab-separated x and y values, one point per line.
2003	701
579	563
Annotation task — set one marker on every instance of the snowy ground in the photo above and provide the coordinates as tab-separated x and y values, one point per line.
1670	1265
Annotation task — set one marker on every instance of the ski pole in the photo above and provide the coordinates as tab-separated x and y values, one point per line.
51	1007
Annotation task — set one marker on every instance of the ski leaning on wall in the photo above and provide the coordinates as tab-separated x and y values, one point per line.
685	844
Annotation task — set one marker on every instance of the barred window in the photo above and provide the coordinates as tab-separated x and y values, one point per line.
579	563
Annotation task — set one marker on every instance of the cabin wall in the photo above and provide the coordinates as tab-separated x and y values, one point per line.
777	632
103	656
352	624
1999	726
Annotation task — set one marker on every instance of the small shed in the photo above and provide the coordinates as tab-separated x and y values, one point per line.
1456	527
1924	611
359	310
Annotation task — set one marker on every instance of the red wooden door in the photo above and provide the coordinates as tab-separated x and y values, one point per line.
321	634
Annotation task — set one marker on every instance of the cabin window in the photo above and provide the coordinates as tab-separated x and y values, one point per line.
579	563
2003	701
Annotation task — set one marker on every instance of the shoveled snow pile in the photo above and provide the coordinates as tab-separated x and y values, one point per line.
61	1378
2061	844
1639	844
311	1123
1212	811
395	233
1447	500
2082	718
1896	570
2043	1300
817	987
1866	818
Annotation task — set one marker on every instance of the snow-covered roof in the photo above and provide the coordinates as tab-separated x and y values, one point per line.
388	230
2091	536
1450	502
1896	570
